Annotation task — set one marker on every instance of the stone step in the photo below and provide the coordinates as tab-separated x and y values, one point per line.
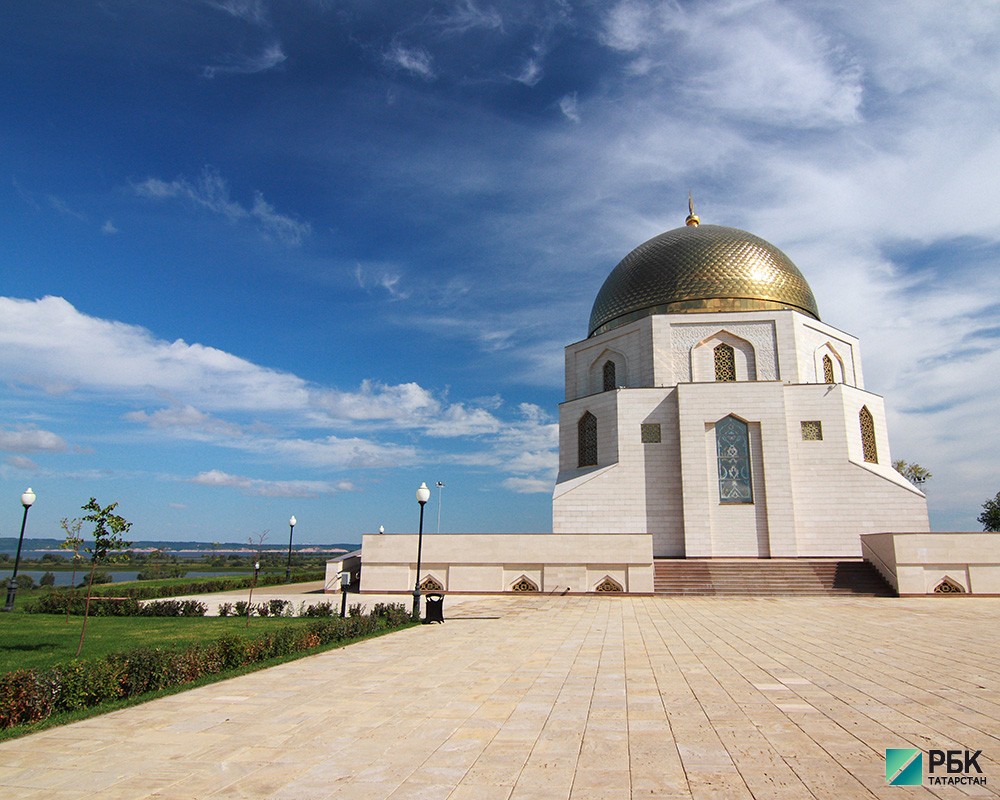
767	577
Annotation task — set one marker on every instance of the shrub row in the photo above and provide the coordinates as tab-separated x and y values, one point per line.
30	695
56	603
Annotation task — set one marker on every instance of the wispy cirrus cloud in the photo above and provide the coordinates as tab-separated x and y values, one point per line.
464	16
271	56
414	60
569	108
386	278
211	191
254	11
767	62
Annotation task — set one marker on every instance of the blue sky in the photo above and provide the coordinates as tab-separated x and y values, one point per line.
271	258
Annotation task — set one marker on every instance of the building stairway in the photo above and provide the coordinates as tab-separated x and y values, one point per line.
797	576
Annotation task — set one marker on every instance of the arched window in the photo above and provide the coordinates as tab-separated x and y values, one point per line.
732	437
828	376
609	376
868	445
725	363
586	432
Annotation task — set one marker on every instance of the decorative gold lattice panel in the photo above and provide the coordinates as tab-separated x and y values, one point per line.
725	363
524	584
609	376
868	446
586	431
431	584
651	433
828	376
812	430
608	585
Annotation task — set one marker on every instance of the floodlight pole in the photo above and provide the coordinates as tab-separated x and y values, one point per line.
423	495
288	566
440	500
27	499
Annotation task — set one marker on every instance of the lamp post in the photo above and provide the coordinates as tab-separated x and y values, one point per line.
27	499
423	495
288	566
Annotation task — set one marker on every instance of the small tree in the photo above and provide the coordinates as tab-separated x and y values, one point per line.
74	542
259	545
109	530
914	473
990	518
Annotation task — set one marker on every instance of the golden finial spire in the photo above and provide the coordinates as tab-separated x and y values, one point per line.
693	220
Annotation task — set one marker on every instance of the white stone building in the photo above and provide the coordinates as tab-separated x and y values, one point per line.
711	408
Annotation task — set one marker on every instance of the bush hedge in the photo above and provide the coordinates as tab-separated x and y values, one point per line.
56	601
30	695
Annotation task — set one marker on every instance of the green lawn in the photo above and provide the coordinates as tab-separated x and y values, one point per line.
41	640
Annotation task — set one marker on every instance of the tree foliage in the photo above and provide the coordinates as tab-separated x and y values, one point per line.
913	472
990	518
109	541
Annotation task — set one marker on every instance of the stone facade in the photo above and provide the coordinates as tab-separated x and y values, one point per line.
814	486
488	562
936	563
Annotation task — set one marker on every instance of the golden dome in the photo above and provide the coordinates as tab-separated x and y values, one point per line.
698	269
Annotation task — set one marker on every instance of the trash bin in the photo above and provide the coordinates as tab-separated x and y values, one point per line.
435	608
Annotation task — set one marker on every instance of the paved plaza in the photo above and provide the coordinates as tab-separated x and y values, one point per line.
516	698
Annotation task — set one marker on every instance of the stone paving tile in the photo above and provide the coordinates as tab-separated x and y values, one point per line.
517	698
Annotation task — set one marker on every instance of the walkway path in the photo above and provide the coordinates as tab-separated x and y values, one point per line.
575	697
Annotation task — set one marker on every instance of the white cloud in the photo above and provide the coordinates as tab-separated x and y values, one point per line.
186	420
383	277
109	228
254	11
211	191
568	106
415	60
531	72
22	463
752	60
529	485
218	398
271	56
465	15
268	488
60	205
31	440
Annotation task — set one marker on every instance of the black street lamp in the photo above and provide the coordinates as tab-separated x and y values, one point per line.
423	495
26	500
288	566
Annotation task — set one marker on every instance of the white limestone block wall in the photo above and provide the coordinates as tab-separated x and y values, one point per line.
640	490
495	562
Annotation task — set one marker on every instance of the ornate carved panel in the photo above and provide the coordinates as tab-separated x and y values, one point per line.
609	584
948	586
524	584
431	584
760	334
